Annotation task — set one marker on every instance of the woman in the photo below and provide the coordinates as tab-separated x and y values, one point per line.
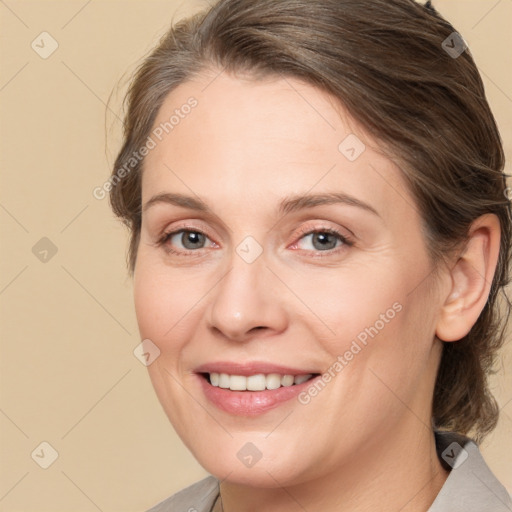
319	237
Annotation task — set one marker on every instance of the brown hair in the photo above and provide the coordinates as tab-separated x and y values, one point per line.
389	64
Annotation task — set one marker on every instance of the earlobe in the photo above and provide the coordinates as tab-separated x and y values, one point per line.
471	278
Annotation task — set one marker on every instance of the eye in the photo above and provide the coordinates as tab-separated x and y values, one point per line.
184	241
322	240
187	241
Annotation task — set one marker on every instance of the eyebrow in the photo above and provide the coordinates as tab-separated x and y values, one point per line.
287	205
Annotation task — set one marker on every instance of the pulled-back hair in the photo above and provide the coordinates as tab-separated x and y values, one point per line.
402	72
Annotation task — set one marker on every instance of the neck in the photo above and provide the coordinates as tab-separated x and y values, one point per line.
398	471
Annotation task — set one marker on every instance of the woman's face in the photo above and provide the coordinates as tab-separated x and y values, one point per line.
296	250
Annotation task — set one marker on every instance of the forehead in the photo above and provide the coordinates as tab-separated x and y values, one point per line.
237	138
273	110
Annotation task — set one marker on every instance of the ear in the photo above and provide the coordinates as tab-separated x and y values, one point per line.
471	279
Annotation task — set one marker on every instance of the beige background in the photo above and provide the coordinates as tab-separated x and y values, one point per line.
68	373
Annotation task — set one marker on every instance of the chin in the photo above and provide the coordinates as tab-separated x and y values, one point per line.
249	459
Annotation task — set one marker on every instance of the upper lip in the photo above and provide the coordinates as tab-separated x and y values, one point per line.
250	368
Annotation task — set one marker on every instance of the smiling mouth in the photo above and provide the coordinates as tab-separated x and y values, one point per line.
256	382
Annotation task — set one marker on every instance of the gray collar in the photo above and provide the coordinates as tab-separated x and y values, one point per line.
470	486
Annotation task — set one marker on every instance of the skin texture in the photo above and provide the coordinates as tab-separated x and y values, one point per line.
365	441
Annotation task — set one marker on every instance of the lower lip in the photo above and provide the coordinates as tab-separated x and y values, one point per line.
251	403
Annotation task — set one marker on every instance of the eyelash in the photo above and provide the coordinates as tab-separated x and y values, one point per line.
346	242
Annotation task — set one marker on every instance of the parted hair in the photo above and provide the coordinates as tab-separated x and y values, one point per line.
389	64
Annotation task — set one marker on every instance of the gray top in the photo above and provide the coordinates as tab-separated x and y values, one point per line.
470	486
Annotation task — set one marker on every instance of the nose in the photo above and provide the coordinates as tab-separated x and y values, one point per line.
245	303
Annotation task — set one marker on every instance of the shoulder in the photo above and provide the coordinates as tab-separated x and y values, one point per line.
471	486
198	497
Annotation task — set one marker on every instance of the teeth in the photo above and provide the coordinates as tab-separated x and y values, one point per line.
258	382
224	380
255	382
287	380
214	378
237	383
273	381
301	378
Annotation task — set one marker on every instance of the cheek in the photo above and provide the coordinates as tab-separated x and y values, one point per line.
387	356
368	319
161	304
353	303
